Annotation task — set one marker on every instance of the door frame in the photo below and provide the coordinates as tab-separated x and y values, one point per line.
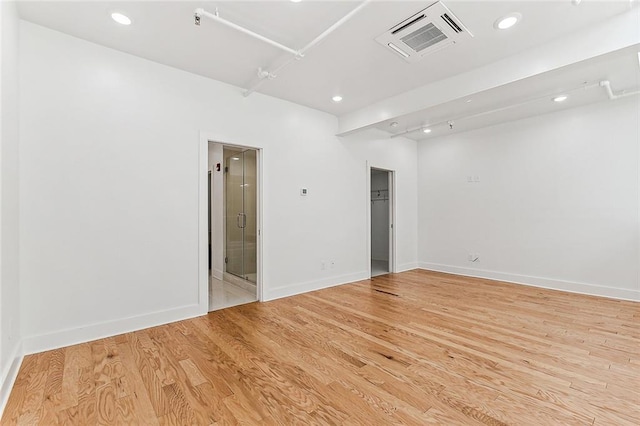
392	218
203	221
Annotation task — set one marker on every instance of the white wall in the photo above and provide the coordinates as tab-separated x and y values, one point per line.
556	204
380	216
109	193
9	285
398	155
109	189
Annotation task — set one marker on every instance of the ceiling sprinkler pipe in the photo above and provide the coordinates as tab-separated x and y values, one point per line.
297	54
199	13
333	27
300	53
607	86
613	96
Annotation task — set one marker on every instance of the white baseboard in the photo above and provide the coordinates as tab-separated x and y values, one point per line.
406	267
553	284
242	283
59	339
294	289
218	274
9	376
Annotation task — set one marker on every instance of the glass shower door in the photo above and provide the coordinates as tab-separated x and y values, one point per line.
250	230
234	208
241	214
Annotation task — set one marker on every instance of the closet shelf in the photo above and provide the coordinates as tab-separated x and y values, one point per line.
381	194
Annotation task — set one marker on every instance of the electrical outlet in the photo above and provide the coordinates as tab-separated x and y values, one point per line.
333	264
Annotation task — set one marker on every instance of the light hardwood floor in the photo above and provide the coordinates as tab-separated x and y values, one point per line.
410	348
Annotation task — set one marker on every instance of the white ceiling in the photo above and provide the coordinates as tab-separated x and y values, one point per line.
348	62
526	97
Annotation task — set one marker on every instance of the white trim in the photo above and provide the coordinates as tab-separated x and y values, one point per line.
203	225
393	266
301	288
368	218
393	214
217	274
549	283
87	333
407	267
260	215
9	376
203	217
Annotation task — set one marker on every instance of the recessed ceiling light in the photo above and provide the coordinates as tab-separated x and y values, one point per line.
337	98
235	158
120	18
393	124
469	101
296	1
426	130
507	21
560	98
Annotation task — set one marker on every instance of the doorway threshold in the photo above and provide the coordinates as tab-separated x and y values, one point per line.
379	267
225	294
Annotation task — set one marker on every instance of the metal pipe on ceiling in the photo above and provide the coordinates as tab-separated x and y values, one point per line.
333	27
263	73
607	86
270	74
300	53
216	17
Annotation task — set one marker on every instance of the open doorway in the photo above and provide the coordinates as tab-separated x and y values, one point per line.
381	221
233	200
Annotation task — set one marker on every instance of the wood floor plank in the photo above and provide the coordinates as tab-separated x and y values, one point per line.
106	404
412	348
139	396
85	411
193	373
145	363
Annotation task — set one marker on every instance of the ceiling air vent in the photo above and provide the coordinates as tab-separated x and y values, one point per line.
425	32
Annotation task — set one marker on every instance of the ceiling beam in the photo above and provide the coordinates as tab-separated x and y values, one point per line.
613	34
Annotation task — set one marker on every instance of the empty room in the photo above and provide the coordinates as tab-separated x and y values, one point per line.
320	212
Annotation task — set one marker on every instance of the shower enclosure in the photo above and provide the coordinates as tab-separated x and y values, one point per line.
241	213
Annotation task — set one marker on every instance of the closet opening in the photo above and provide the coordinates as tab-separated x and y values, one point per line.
233	225
381	219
